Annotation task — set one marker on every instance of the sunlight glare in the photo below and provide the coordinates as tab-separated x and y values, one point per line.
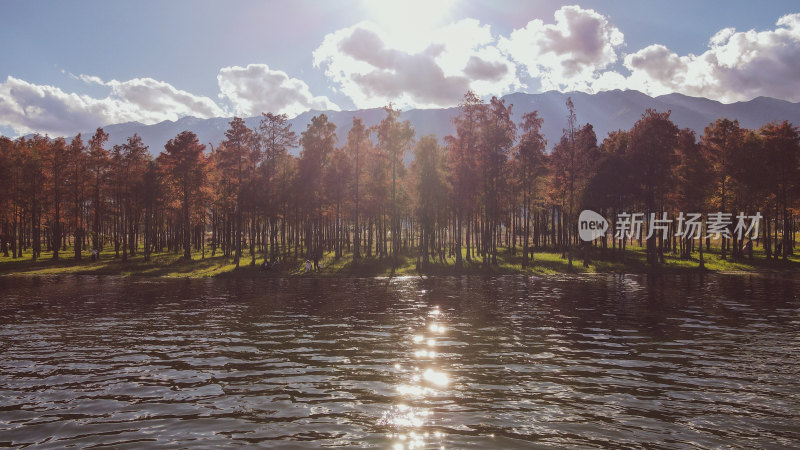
435	377
408	14
436	328
409	24
404	416
412	390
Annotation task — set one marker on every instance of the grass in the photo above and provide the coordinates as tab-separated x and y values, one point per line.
546	262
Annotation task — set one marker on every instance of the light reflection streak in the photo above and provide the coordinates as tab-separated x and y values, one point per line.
436	377
423	383
436	328
413	390
425	354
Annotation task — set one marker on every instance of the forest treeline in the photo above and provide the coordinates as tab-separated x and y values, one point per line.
491	184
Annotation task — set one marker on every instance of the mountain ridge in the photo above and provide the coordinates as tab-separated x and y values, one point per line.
607	111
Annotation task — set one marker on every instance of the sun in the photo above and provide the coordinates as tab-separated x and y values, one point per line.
408	16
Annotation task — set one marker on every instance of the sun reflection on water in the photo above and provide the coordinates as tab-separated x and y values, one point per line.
437	328
436	377
425	354
404	416
410	419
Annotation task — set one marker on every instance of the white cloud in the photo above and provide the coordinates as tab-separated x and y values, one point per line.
568	54
28	107
373	67
721	36
155	101
257	88
737	66
433	66
580	50
88	79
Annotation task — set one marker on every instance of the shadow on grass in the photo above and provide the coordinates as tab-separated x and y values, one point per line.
407	264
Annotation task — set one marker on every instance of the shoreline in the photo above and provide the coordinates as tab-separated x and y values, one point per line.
171	265
286	276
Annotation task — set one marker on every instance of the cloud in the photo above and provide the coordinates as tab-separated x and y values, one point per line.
88	79
433	66
156	100
580	51
373	67
480	69
568	54
257	88
737	66
26	107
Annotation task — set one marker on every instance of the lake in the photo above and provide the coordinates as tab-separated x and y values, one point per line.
675	360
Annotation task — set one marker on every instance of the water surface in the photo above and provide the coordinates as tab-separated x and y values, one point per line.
511	362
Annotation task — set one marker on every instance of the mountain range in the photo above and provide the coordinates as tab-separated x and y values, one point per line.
606	111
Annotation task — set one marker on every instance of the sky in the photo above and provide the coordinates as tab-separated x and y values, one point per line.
71	66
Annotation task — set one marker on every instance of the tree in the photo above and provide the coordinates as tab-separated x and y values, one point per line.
750	186
462	150
234	154
99	163
572	162
223	199
498	132
692	184
8	187
720	141
276	138
56	162
130	160
337	177
184	167
151	196
651	151
358	144
782	150
531	159
77	176
376	200
569	163
612	185
394	138
318	141
431	192
33	153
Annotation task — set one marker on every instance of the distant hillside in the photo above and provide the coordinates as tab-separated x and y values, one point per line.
606	111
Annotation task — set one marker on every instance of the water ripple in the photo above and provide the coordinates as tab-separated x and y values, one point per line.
618	360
